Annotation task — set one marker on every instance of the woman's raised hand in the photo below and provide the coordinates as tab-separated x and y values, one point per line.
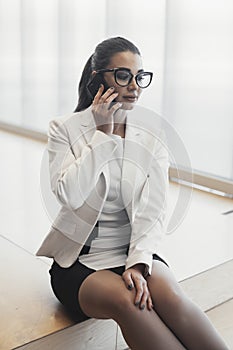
103	111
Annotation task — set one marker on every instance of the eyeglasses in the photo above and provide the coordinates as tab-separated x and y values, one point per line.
123	77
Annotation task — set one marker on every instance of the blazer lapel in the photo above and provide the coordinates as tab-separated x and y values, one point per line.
87	124
88	128
137	157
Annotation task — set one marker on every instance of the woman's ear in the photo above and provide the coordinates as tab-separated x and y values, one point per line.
93	73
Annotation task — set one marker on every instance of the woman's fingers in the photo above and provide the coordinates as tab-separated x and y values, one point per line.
134	280
103	109
115	107
142	298
107	97
128	280
150	303
98	95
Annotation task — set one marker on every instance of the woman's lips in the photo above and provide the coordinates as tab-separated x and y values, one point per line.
130	98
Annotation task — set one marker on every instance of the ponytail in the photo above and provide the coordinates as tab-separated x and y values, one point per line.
84	97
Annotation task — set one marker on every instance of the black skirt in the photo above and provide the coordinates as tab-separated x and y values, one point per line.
67	281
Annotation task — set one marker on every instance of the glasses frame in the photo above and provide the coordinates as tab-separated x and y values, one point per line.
115	70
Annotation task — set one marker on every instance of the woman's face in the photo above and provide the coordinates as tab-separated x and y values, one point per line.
128	95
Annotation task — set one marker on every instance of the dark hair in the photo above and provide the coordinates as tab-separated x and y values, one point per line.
100	60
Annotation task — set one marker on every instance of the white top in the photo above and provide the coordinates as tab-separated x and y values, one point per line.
109	248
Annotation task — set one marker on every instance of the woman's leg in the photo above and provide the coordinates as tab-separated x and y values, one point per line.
180	314
103	294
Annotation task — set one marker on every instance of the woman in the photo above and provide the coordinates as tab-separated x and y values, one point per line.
108	168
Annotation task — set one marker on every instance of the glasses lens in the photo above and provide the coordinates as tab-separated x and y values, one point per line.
144	79
122	77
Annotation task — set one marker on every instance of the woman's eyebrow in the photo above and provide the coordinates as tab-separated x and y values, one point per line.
139	71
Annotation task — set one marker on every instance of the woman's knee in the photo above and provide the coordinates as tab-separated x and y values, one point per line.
165	290
103	294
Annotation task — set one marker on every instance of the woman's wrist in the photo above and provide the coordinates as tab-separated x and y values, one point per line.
139	267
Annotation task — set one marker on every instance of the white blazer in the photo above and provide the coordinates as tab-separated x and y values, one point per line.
79	173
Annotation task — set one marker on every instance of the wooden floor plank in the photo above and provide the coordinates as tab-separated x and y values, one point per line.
222	318
89	335
28	307
212	287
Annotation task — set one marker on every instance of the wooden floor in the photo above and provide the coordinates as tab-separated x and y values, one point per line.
200	252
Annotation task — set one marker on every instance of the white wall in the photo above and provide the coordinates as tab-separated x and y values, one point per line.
186	43
10	61
198	81
39	67
44	46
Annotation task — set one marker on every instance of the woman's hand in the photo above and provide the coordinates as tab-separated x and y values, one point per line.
133	278
103	111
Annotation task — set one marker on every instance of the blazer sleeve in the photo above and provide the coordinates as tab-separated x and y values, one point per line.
149	222
73	177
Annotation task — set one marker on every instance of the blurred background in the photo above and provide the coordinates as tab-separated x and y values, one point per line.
188	44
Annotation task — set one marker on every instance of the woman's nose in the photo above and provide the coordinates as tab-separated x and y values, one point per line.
133	85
